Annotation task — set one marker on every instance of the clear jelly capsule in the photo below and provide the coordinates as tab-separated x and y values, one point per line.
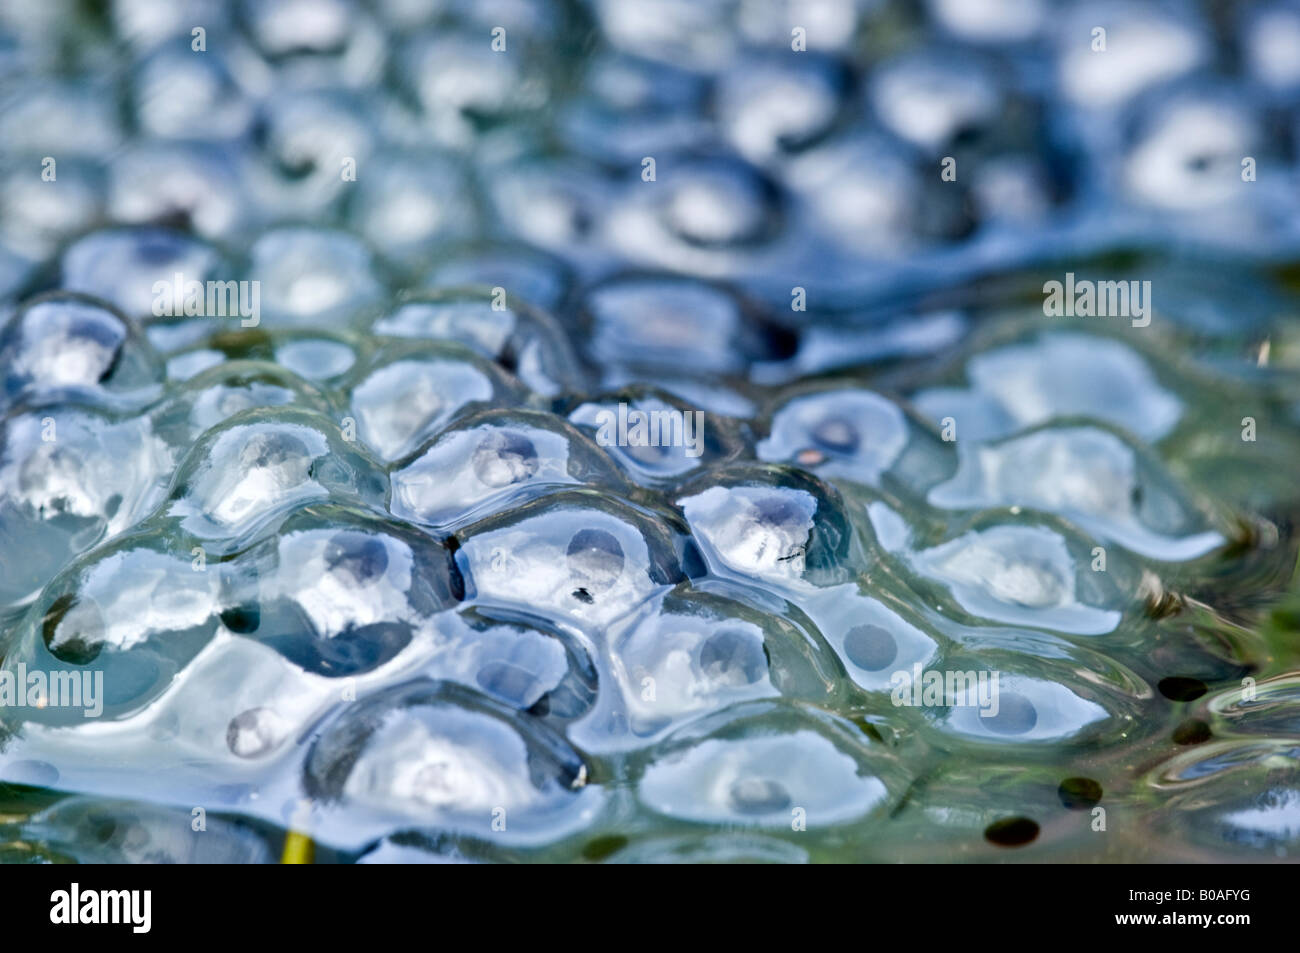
461	83
689	653
524	341
1270	37
1187	155
180	185
408	204
238	713
143	24
314	148
319	358
771	769
119	624
338	593
931	97
1144	46
177	95
770	107
670	324
493	460
527	274
699	36
654	437
436	756
1270	706
312	278
838	341
829	26
60	118
518	660
850	434
40	216
873	635
256	467
64	346
630	108
1250	808
216	394
96	831
990	21
1025	575
1087	475
1021	709
140	271
711	215
781	526
863	195
1058	374
579	556
404	393
314	43
556	204
71	477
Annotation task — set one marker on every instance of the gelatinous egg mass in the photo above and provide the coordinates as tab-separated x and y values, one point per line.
693	431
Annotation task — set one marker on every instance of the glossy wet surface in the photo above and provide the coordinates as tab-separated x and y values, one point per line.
371	567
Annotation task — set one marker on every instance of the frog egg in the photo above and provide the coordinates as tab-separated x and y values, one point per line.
461	83
214	395
333	40
1270	36
630	108
491	461
526	342
1060	375
63	345
308	143
312	278
655	438
62	496
39	217
1144	46
337	593
128	616
780	526
1022	575
519	661
525	273
872	638
854	435
318	358
763	776
990	21
404	394
408	204
573	556
64	119
176	184
697	36
930	98
1089	476
1025	709
435	755
1188	155
256	467
663	323
773	107
177	95
136	269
